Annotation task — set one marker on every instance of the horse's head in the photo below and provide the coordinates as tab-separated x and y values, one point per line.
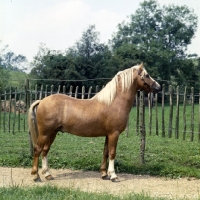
145	82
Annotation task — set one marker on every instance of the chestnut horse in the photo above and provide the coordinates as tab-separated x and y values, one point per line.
105	114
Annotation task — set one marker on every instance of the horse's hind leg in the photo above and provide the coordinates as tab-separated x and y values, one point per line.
45	168
37	151
103	167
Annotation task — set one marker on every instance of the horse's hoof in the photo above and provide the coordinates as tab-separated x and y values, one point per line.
37	179
49	178
115	180
106	177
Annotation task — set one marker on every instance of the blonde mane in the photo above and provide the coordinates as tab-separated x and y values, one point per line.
107	94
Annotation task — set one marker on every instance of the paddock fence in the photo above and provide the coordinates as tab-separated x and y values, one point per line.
173	112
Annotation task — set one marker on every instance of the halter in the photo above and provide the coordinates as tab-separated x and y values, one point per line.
145	83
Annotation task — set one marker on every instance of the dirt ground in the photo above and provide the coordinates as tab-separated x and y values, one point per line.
90	181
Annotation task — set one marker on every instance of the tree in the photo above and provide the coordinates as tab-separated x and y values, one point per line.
159	36
92	56
9	60
50	66
11	65
87	59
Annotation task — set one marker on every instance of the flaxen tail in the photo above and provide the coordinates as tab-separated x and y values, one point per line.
32	122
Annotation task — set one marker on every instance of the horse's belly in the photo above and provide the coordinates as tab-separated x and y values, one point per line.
93	128
86	131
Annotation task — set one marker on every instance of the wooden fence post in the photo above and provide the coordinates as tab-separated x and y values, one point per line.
163	107
76	92
58	89
4	116
70	90
20	99
64	89
52	89
46	91
41	92
36	92
150	111
156	108
192	115
83	92
142	128
137	114
184	110
14	118
10	107
97	89
89	92
170	111
177	114
27	94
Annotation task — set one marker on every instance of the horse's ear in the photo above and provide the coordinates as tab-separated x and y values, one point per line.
141	66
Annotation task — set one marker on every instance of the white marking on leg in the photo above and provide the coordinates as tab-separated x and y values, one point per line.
111	169
45	168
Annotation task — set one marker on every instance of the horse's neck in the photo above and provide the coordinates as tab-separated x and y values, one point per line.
126	98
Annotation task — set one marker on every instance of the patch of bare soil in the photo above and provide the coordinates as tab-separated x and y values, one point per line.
91	182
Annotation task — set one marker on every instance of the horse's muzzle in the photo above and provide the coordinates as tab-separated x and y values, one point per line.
157	89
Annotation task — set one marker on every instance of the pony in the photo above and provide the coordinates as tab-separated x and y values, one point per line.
106	114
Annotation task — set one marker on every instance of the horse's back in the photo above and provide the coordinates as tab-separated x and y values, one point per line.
61	105
67	114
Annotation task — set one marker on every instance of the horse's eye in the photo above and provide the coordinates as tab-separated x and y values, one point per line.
147	76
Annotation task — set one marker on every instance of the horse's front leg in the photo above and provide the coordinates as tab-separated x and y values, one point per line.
112	145
103	168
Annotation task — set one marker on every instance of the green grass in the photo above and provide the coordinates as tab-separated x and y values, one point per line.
51	192
164	156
